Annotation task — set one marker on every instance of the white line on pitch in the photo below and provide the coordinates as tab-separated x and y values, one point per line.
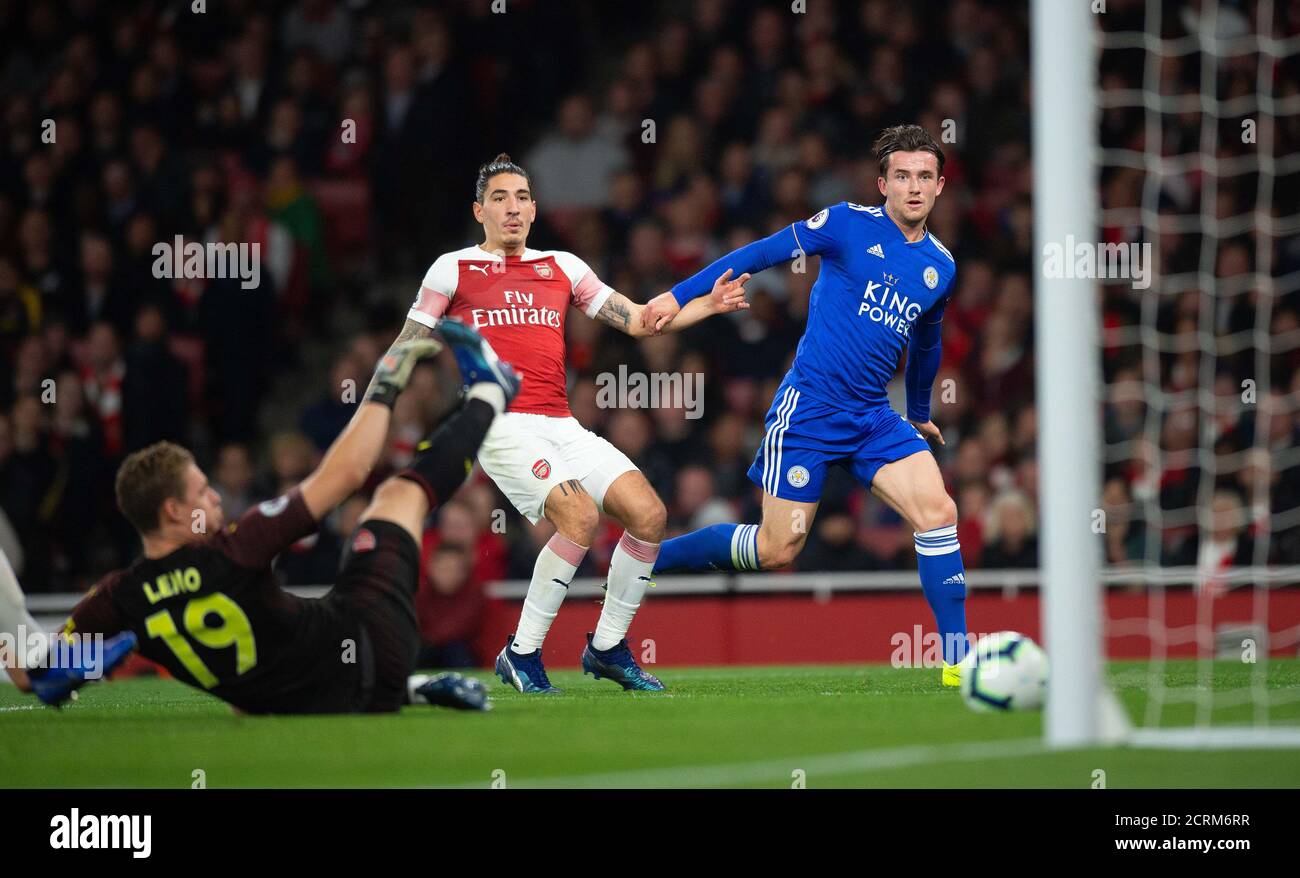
829	765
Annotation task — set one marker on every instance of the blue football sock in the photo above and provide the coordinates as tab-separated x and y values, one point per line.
717	547
943	579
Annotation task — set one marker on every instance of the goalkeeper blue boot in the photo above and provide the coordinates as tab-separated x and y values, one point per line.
55	684
525	672
477	361
617	664
448	690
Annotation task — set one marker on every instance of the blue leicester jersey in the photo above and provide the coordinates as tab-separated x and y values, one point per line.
874	291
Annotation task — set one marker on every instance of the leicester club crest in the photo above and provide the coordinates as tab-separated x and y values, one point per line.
931	276
797	476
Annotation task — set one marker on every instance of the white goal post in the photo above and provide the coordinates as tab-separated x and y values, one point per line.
1067	42
1067	379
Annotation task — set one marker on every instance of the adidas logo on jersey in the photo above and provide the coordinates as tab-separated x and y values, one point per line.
959	579
876	250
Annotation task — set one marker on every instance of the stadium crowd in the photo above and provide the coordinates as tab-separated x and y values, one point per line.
343	137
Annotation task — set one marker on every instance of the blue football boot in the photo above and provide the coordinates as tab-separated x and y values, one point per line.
525	672
476	359
55	684
448	690
618	664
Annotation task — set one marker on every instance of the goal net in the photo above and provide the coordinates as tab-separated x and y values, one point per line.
1195	266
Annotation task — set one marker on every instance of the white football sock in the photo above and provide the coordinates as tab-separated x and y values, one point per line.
556	564
490	392
413	682
14	618
13	606
629	575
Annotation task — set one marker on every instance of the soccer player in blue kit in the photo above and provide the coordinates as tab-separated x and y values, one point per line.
883	285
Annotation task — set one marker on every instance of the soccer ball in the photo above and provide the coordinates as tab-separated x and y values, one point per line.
1005	671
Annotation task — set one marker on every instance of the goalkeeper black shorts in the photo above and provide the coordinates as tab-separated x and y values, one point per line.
376	587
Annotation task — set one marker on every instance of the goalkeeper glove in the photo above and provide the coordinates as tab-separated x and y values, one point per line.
395	367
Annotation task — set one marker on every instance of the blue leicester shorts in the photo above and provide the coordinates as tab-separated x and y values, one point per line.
805	435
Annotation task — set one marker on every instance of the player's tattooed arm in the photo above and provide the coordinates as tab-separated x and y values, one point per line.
621	313
625	315
412	330
661	312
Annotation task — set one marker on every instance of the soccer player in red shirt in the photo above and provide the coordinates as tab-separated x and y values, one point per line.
538	454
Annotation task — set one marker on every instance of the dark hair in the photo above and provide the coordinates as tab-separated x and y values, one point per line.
905	138
147	478
499	165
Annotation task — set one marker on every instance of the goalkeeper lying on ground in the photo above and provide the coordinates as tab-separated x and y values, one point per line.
206	605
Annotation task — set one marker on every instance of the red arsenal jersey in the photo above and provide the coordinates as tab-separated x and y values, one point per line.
519	304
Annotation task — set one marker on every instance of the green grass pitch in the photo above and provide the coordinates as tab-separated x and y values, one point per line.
836	726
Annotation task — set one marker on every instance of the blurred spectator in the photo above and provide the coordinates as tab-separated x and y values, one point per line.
1226	544
1125	532
233	479
833	545
323	26
314	559
326	418
289	204
29	477
450	609
155	404
573	166
103	374
101	296
1010	532
696	502
20	305
77	444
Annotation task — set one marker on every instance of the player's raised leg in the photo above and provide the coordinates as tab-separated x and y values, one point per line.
444	460
913	487
803	436
632	501
769	545
440	465
380	571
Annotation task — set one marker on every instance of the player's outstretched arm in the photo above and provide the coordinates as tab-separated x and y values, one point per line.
727	295
349	461
750	259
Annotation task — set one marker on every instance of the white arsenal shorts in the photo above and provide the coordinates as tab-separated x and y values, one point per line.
528	455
